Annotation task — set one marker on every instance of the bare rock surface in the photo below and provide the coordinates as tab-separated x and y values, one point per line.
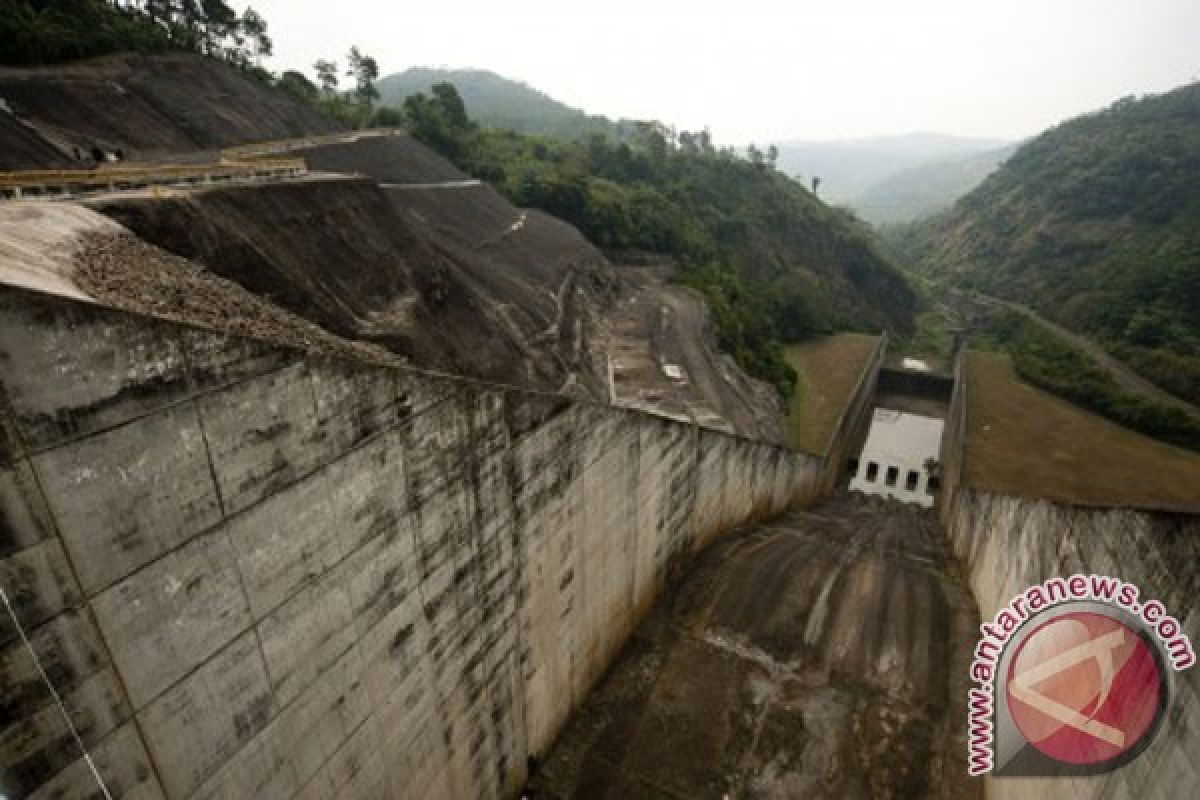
147	106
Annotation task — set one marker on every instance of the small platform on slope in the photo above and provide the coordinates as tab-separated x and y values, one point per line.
829	370
1024	441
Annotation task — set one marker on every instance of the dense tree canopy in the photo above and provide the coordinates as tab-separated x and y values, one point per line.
50	31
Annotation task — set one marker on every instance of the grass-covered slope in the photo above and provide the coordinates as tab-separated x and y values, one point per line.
1046	361
1096	224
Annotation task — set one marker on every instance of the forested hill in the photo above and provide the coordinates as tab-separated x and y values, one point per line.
774	262
497	102
1096	224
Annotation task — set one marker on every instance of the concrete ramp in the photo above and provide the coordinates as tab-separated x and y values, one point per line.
822	654
38	243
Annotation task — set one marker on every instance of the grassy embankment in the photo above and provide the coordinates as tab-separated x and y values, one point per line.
1049	363
827	373
1022	440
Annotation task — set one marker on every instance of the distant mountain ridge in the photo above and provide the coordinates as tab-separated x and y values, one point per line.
870	174
850	168
927	188
498	102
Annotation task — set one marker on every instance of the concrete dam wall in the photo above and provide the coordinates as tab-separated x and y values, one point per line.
250	573
1009	542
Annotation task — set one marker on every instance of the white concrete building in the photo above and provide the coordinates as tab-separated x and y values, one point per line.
894	458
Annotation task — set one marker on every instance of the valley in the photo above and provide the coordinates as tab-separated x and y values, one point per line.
418	435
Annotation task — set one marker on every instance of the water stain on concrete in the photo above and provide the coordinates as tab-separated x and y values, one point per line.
823	654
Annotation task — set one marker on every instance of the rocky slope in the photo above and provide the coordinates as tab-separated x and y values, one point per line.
148	106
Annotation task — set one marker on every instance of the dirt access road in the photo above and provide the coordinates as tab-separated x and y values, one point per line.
659	344
823	654
1124	377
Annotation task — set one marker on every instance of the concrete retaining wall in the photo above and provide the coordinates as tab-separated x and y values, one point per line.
1010	543
914	383
854	422
252	574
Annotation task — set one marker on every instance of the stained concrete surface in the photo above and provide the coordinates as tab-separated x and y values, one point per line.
823	654
1010	539
251	573
1008	543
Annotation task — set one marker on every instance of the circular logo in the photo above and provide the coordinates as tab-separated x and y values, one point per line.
1085	688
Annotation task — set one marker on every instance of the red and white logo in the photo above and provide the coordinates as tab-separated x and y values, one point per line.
1084	688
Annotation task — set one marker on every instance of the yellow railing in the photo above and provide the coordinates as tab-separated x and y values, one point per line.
242	161
257	149
149	174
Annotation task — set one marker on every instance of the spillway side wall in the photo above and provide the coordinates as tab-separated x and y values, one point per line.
254	573
1009	543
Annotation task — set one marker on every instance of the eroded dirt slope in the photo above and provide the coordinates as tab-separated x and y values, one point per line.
413	256
821	655
23	148
335	252
151	106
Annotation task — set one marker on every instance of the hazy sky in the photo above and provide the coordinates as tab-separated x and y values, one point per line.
763	71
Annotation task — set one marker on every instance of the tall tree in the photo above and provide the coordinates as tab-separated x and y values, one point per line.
295	84
365	71
255	29
327	75
453	107
217	24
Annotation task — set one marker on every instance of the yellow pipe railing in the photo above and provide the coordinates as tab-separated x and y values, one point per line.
248	160
256	149
149	174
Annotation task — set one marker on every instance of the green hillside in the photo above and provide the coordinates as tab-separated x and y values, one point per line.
775	263
497	102
1095	224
